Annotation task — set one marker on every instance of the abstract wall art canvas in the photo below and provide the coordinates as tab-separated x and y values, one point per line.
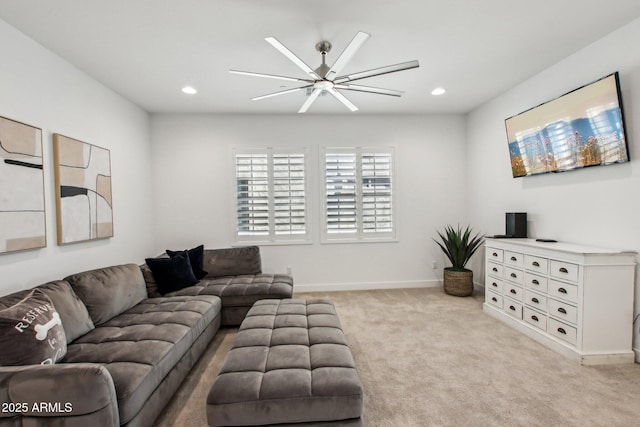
83	190
22	213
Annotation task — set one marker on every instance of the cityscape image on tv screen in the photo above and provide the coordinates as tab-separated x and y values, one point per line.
582	128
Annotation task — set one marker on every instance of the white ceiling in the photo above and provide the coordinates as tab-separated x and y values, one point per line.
147	50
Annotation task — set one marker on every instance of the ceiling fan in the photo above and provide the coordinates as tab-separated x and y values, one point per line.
327	79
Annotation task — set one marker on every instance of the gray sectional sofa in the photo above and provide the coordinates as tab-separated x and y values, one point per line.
128	348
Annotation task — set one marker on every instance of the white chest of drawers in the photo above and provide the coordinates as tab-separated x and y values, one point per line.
574	299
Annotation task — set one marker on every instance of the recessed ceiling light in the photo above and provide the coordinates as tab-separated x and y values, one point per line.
438	91
189	90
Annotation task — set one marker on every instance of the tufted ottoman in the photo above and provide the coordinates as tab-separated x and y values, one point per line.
289	364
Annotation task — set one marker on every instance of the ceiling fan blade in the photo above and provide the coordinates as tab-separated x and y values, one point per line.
347	54
269	76
377	72
309	101
340	97
282	92
292	57
369	89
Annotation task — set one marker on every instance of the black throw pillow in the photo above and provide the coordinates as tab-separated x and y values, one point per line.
172	274
196	258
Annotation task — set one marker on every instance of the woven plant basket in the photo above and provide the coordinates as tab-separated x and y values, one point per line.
458	283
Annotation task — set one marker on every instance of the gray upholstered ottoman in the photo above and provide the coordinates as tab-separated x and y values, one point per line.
289	364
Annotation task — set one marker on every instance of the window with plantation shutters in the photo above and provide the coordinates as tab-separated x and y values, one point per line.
271	195
358	194
340	202
377	208
289	203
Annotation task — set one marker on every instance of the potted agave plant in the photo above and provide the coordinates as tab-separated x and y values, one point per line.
458	245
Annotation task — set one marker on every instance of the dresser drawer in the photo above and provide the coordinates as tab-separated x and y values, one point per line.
494	284
563	311
513	258
495	270
513	275
563	331
564	270
535	318
565	291
535	300
494	299
495	254
512	291
512	308
533	281
537	264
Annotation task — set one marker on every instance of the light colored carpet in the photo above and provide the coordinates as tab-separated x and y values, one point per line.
429	359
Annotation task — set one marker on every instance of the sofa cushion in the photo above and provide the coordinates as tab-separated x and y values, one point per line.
172	274
243	291
75	317
109	291
140	346
73	313
31	332
232	261
196	258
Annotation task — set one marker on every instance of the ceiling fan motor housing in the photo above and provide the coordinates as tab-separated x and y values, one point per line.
322	70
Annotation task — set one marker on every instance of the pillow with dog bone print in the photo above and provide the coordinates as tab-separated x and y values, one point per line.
31	332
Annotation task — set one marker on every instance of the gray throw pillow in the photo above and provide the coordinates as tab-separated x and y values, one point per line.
31	332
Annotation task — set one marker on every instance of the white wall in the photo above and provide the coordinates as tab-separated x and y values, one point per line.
42	90
193	179
598	206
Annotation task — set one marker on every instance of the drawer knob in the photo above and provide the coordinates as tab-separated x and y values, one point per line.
535	282
494	299
494	254
495	270
563	270
562	290
535	300
513	291
562	310
535	264
534	317
562	331
512	308
514	258
494	284
514	275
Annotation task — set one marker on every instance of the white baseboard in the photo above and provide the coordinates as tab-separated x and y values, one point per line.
365	286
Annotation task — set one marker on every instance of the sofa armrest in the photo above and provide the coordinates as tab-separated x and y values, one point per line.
62	394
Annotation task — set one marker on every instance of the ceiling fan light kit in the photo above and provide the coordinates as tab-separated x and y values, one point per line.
325	79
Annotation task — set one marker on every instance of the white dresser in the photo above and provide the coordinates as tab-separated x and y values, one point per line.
574	299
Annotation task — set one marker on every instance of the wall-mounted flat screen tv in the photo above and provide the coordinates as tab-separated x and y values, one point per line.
584	127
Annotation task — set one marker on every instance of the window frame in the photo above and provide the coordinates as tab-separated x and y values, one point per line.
359	235
271	237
